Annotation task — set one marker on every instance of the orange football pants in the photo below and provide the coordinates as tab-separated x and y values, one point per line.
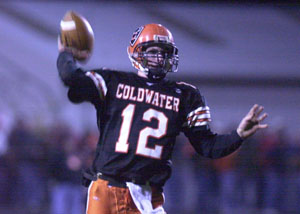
105	199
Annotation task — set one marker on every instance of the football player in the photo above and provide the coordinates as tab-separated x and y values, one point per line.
139	116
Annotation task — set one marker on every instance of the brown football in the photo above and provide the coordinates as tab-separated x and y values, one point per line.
76	32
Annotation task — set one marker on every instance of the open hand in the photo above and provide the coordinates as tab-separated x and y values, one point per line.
251	122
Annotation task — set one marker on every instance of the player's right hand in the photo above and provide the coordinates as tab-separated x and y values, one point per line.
77	54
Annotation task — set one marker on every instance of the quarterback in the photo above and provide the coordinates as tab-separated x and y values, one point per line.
139	115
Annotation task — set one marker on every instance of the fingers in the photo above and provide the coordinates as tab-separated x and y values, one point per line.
262	117
252	111
254	129
83	54
256	119
258	125
262	126
258	111
80	55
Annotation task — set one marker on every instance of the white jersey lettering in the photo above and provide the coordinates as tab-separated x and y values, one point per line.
127	92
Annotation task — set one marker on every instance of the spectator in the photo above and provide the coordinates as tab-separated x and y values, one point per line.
65	171
28	152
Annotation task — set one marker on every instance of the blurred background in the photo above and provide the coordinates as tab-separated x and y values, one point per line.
238	54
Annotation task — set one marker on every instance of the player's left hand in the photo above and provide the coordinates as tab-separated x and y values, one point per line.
251	122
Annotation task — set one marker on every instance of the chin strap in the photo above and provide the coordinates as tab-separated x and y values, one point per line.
154	77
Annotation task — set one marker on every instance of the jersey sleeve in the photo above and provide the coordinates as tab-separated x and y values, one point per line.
83	85
196	112
196	129
100	79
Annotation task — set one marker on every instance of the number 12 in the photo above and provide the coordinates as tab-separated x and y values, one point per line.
142	149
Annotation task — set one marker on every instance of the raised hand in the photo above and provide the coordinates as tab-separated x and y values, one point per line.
77	54
252	122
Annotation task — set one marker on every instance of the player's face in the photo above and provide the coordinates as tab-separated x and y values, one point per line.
155	57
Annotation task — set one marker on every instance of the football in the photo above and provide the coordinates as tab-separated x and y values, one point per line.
76	32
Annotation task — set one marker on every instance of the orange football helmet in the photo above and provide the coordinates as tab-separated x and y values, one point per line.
166	55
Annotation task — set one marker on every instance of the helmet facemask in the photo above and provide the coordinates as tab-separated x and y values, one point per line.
156	59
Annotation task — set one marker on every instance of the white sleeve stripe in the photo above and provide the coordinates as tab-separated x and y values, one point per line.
203	123
202	108
199	117
202	116
198	120
102	83
98	81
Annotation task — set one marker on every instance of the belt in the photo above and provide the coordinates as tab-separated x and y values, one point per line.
118	182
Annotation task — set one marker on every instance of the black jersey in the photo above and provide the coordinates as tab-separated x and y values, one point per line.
139	121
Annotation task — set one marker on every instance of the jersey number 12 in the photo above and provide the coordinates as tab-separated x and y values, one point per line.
142	149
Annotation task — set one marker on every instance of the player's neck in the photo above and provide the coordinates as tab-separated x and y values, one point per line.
142	74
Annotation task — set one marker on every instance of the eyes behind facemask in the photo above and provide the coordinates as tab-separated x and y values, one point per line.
158	62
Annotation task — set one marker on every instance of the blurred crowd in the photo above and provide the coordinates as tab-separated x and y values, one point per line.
40	172
262	177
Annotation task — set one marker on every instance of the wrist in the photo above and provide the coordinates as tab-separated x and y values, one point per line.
240	133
